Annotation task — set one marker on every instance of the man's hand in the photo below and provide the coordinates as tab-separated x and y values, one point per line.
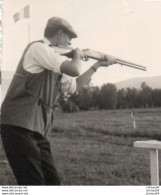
80	54
104	62
107	60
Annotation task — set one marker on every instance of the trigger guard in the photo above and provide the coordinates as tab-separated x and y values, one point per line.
85	59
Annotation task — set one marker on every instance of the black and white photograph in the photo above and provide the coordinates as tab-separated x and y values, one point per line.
80	101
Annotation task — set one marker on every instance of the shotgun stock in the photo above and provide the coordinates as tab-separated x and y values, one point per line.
96	55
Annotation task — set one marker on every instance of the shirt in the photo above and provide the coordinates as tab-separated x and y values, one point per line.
40	56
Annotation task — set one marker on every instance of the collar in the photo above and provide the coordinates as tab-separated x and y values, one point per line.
46	41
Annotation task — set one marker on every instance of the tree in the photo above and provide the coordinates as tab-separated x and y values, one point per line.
146	93
96	97
67	102
108	96
131	97
121	99
84	99
156	97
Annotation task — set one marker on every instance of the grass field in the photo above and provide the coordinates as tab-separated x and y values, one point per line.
96	147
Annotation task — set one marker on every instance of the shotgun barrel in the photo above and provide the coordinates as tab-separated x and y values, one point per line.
96	55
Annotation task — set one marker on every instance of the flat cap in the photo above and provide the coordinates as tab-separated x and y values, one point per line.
56	23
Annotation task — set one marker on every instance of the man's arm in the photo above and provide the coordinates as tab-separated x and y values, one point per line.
40	56
85	78
73	67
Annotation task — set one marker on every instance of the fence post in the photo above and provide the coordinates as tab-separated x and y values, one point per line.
153	146
154	167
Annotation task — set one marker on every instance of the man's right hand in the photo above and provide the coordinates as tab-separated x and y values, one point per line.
80	54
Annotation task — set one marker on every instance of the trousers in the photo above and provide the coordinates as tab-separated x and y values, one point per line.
29	155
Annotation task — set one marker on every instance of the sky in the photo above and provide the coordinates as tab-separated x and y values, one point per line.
127	29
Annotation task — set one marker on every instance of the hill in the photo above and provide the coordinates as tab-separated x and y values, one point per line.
153	82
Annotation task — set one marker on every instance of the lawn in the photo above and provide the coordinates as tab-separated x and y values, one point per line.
96	147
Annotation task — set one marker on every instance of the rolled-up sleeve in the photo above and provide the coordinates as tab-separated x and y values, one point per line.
68	84
40	56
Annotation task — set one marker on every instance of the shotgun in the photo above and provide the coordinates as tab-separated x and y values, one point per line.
96	55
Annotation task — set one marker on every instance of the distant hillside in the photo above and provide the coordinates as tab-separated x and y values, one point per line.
153	82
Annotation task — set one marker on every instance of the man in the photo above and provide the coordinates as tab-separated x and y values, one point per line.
28	108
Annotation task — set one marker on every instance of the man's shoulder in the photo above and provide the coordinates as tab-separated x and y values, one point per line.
37	44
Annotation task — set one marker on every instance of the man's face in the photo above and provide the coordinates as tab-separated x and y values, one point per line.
64	39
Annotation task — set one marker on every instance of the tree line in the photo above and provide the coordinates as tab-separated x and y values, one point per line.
108	97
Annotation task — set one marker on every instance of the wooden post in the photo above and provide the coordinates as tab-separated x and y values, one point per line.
153	146
154	167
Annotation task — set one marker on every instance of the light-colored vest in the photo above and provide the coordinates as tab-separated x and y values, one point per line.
31	98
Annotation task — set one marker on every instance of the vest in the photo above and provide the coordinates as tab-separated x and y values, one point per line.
31	99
